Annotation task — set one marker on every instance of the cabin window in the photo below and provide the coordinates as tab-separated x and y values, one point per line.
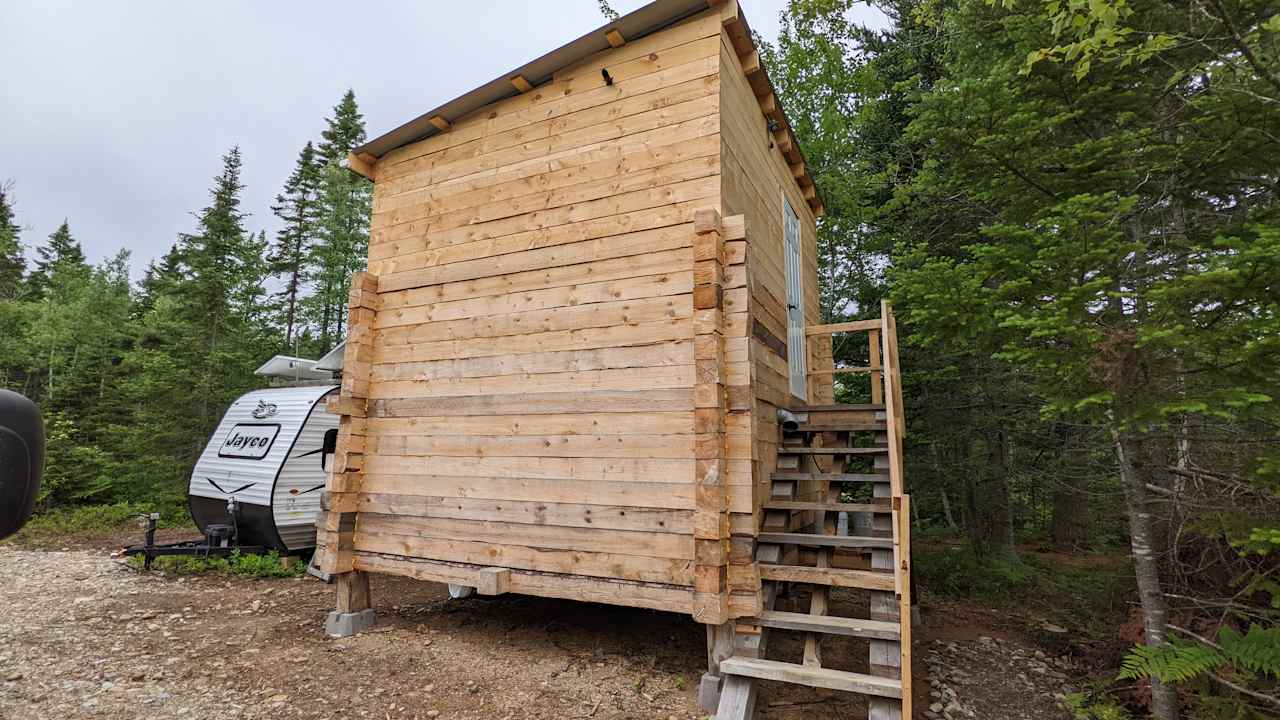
795	300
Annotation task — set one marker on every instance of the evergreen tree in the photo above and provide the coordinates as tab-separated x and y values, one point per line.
345	203
61	252
344	131
342	249
79	333
160	277
1120	266
203	333
12	262
298	208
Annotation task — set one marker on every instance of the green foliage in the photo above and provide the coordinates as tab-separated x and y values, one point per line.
298	208
1094	706
607	10
60	255
341	249
1088	598
132	381
113	516
12	262
959	572
238	564
1179	661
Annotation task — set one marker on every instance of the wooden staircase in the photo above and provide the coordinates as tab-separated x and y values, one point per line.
800	553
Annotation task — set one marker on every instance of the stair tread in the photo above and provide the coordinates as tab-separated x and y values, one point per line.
828	506
787	450
812	676
861	541
829	624
832	477
833	577
832	427
838	407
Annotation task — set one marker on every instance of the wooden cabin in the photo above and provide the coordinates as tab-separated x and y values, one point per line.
592	287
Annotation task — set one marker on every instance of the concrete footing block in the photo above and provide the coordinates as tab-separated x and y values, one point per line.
340	624
709	692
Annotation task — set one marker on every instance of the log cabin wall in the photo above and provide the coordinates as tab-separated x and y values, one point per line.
530	392
755	176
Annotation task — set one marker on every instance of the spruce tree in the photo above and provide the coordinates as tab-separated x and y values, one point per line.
62	251
344	131
214	298
298	208
160	277
12	262
341	250
342	224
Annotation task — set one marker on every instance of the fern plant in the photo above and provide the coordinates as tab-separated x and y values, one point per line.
1254	656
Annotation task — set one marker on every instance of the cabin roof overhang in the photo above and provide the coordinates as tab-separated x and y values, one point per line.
649	19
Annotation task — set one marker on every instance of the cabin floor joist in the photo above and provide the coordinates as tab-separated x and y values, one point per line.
592	288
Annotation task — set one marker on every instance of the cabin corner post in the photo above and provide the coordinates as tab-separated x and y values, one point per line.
353	611
744	578
711	504
711	518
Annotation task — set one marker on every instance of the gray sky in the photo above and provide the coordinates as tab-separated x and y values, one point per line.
114	113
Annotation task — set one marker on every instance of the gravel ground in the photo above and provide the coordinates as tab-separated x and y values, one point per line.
85	637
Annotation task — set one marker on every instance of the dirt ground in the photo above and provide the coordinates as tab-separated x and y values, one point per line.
83	636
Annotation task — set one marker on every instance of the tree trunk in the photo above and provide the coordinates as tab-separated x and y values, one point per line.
293	303
1069	526
988	511
1142	538
946	511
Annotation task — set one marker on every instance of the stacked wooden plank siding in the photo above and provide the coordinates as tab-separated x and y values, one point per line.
566	360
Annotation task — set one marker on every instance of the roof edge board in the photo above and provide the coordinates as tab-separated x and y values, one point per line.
637	24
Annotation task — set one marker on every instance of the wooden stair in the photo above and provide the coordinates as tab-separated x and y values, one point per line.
797	544
830	477
812	676
824	506
825	540
829	624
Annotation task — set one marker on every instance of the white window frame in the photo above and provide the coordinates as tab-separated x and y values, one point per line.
796	345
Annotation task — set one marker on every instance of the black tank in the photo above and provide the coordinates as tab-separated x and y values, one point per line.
21	460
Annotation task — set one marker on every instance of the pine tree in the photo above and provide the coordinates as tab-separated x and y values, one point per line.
342	223
160	277
12	262
342	247
298	208
61	252
344	131
214	298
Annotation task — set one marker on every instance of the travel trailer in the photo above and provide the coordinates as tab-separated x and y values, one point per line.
262	474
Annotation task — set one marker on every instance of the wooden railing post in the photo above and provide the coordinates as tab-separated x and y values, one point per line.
877	376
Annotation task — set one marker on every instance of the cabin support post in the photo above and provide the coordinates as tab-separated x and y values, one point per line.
335	541
720	639
353	615
711	504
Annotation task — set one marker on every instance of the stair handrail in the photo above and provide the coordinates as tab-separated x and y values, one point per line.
895	423
873	327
